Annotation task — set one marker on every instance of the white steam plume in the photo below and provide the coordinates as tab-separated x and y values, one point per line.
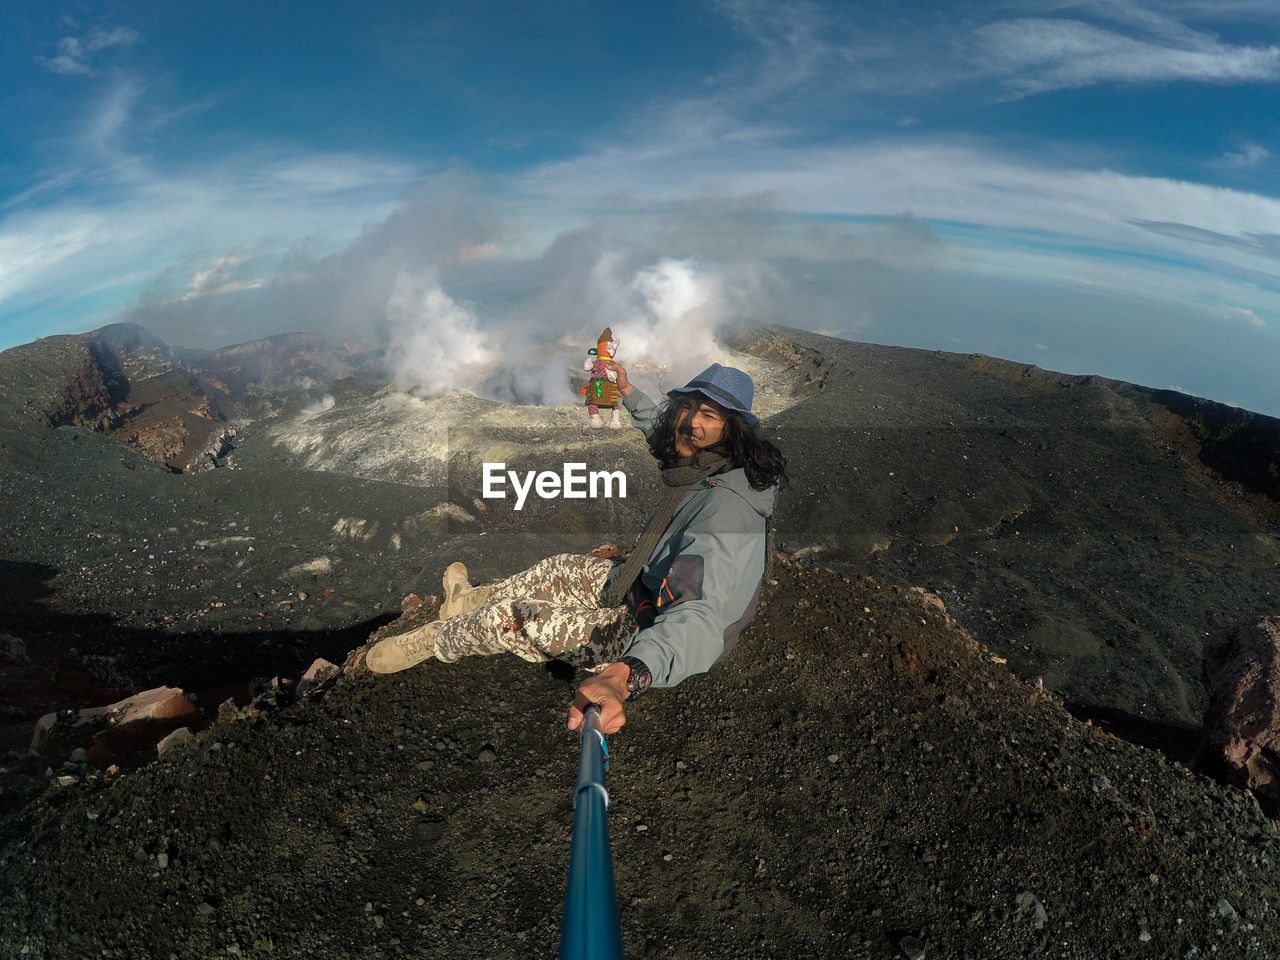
683	306
433	286
435	343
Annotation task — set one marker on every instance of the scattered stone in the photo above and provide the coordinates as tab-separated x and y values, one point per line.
1028	907
356	528
14	647
930	600
436	521
913	948
1241	743
162	705
177	738
159	703
487	755
320	672
430	831
410	602
312	568
450	511
264	686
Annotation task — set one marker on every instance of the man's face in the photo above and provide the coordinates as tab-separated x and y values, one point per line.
699	427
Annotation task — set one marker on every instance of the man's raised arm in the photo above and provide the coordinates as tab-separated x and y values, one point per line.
642	409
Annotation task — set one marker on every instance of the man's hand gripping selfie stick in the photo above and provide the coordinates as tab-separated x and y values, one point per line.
591	929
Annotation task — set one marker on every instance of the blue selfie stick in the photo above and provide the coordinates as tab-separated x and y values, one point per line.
591	929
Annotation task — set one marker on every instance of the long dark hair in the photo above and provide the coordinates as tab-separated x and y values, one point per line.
762	462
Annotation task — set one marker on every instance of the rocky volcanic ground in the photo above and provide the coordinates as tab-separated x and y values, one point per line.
860	779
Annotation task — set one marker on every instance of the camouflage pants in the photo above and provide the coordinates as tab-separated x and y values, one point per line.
549	612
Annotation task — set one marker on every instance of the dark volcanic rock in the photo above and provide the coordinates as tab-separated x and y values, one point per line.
1074	524
117	381
1067	521
1242	725
171	404
858	775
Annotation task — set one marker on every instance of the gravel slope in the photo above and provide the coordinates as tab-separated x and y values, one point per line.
859	780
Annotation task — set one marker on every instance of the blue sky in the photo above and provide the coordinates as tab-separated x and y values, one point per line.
1087	186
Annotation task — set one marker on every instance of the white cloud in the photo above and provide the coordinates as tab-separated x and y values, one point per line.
75	54
115	37
1250	155
148	227
478	251
340	172
34	247
220	278
962	180
70	58
108	122
810	59
1039	54
110	215
993	213
1244	315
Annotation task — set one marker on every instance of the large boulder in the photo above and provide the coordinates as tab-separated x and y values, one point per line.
149	714
1241	743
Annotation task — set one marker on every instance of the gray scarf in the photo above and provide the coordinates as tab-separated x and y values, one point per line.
678	477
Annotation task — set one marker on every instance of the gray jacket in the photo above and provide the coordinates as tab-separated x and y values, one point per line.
704	575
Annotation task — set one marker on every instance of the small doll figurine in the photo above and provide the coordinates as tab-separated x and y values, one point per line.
602	390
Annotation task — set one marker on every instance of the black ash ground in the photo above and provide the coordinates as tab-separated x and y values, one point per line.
1073	526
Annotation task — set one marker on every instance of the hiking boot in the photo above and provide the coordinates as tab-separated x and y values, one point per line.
615	423
459	595
595	422
400	653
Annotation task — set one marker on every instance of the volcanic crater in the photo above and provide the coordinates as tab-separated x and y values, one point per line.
960	726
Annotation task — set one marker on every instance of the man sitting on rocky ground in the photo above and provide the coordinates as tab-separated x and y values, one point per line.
677	605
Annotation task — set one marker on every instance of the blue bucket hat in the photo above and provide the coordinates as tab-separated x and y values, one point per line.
727	386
